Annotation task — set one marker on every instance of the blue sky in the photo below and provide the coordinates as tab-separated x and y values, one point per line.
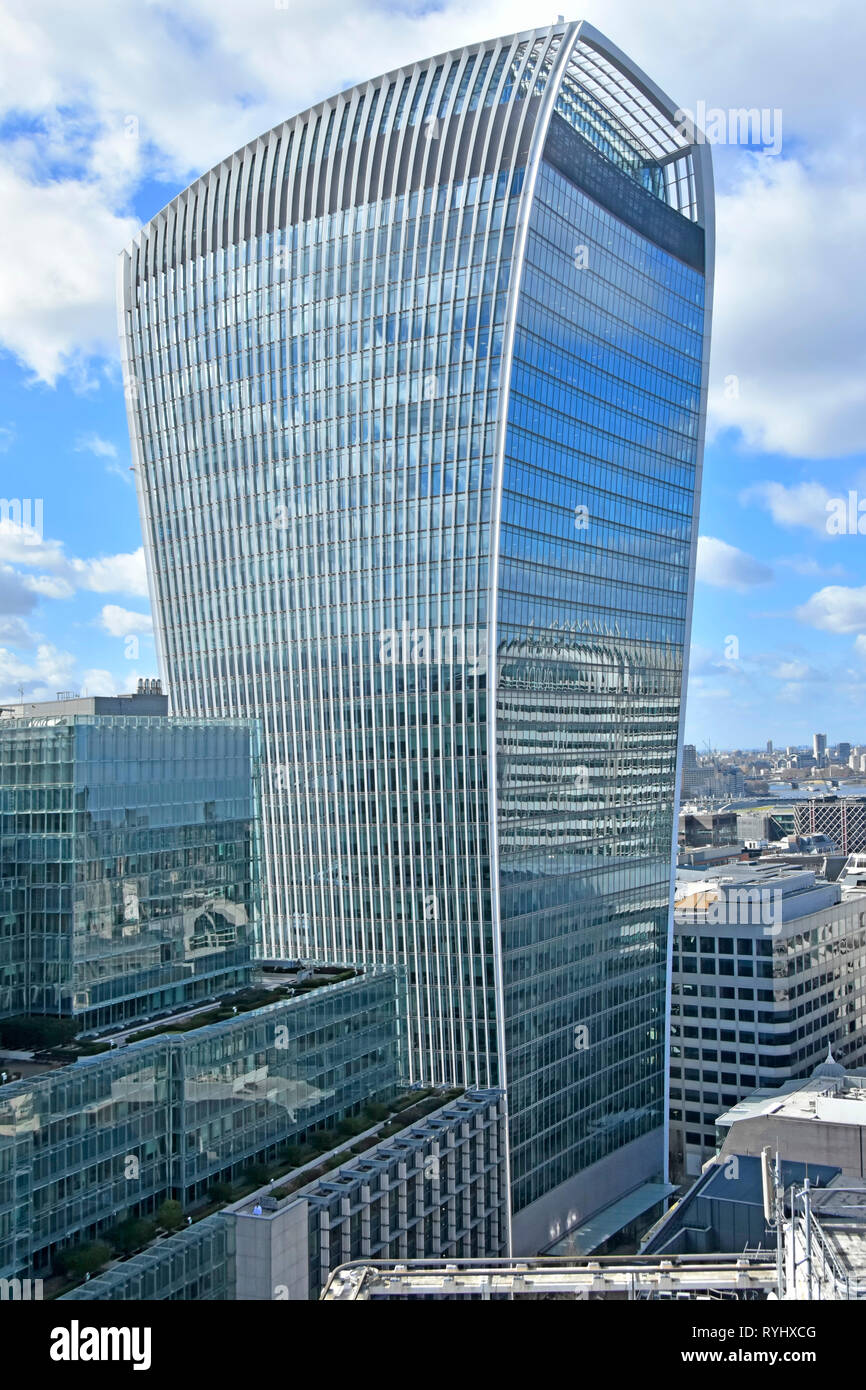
107	110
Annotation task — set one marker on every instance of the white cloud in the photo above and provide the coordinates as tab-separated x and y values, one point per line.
41	678
802	504
120	93
835	609
113	574
12	630
48	585
96	445
809	567
794	671
791	299
725	567
100	682
102	574
16	597
121	472
57	273
23	545
7	438
790	694
119	622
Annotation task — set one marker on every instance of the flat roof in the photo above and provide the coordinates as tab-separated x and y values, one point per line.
831	1099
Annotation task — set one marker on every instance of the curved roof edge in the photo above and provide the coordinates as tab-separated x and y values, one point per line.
574	33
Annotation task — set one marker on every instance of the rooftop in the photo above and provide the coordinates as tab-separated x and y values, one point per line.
840	1211
346	1164
147	699
751	894
830	1094
292	981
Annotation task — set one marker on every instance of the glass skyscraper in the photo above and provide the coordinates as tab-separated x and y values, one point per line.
416	387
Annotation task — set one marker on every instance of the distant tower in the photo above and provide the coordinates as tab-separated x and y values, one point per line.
769	745
819	748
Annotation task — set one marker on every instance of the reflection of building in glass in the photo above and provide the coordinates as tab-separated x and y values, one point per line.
129	842
709	777
444	343
117	1133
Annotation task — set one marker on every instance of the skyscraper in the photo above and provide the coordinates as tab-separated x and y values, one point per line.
416	388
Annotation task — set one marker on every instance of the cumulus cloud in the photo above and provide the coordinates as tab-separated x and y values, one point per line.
96	681
835	609
802	504
16	596
48	585
50	669
57	275
14	631
725	567
113	574
789	358
62	574
116	94
119	622
41	677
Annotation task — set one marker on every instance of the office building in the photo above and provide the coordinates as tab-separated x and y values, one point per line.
716	828
841	818
769	969
113	1135
416	390
819	749
436	1188
815	1127
819	1119
762	823
129	853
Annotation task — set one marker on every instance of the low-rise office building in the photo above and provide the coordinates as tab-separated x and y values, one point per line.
437	1189
128	858
114	1135
814	1130
769	969
697	828
818	1121
842	819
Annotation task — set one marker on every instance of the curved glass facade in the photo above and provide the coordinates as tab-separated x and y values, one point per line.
415	387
